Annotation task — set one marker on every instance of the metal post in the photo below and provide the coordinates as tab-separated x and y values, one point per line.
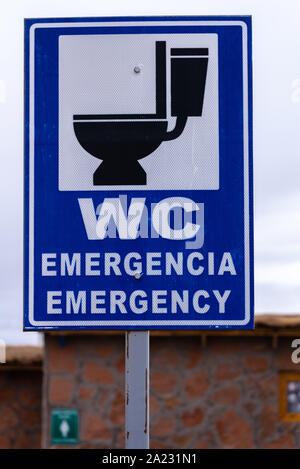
137	390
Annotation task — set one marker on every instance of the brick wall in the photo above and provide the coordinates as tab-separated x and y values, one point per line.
223	395
20	408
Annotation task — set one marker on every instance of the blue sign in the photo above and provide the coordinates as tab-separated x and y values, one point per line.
138	173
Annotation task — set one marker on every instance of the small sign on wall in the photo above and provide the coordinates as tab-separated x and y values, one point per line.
64	426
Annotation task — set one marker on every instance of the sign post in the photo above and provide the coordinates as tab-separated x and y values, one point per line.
137	390
138	181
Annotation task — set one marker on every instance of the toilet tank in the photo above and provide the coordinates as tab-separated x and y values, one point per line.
188	77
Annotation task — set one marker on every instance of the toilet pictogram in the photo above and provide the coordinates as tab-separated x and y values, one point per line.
121	140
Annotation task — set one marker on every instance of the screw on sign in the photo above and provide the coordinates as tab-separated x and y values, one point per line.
164	217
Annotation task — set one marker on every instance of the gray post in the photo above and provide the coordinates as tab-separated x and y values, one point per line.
137	390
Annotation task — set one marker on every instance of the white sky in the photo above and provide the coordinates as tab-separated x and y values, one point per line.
276	77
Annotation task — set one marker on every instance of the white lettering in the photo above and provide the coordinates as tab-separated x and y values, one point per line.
91	262
75	304
190	264
112	261
137	266
51	302
117	299
112	208
183	303
142	304
96	300
211	263
46	263
221	299
177	265
227	264
70	266
196	305
153	263
157	301
89	217
160	218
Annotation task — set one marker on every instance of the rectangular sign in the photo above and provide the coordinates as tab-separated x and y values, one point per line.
64	426
138	173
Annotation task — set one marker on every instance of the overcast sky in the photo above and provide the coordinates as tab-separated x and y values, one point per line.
276	77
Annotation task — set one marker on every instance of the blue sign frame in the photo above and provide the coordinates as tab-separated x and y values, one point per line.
53	223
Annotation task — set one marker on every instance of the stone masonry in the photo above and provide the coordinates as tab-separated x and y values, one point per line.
20	409
221	395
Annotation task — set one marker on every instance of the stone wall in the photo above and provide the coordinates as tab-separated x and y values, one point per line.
20	408
222	395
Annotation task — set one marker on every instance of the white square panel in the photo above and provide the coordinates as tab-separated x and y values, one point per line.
96	76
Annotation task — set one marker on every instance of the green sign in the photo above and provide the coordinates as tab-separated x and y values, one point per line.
64	427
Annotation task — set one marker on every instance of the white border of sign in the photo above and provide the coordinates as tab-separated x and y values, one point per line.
140	323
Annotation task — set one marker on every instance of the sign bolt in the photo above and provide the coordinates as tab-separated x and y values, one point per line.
137	69
137	275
